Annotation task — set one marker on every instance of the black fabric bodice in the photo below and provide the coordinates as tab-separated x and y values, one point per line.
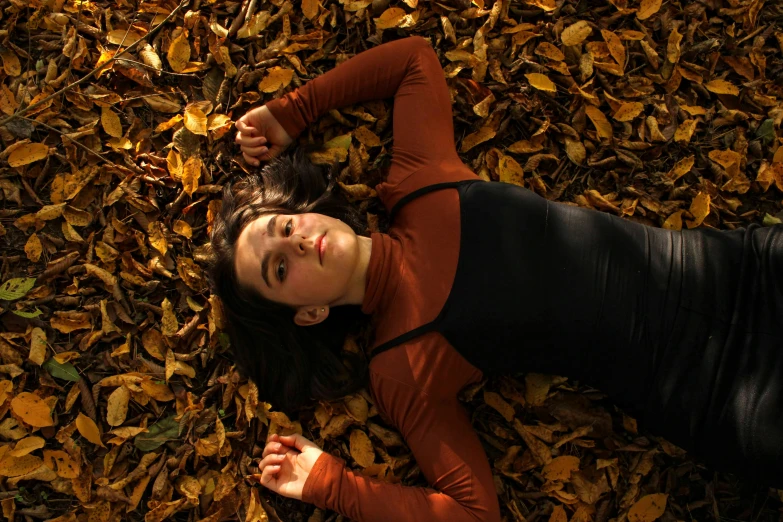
681	328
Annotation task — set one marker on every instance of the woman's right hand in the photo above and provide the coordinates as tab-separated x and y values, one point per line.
260	136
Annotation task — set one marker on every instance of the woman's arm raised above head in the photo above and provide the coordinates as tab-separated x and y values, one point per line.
406	69
447	450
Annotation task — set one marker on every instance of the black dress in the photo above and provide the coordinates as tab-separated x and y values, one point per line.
681	328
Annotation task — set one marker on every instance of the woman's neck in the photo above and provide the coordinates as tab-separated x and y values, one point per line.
358	282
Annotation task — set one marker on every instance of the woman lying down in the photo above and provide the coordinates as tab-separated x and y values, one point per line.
681	329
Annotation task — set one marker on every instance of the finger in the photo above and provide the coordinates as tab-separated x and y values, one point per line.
274	448
244	128
271	460
247	141
251	160
296	441
268	476
255	151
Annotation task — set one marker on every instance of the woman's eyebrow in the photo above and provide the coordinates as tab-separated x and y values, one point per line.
270	231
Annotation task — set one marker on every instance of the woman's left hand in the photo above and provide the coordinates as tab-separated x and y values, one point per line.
286	464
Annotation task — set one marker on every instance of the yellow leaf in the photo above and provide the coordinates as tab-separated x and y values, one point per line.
648	8
310	8
179	53
560	468
722	87
361	448
11	466
550	51
191	173
169	323
152	341
576	151
600	121
28	153
8	102
495	401
62	463
159	392
37	346
648	508
473	139
700	208
674	222
88	429
111	122
673	46
26	446
32	410
616	47
390	18
685	131
123	37
157	238
117	406
576	33
628	111
558	515
174	163
195	120
278	77
33	248
183	228
541	82
681	168
67	322
11	62
510	171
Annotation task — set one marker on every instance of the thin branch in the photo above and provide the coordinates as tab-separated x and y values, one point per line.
187	75
92	73
80	145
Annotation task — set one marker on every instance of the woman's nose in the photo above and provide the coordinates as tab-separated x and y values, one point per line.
300	245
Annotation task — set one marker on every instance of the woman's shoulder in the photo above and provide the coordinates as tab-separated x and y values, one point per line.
427	365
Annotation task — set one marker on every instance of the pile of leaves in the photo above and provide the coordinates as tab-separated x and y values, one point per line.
118	398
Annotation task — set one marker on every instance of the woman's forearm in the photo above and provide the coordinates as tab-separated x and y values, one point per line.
332	486
376	73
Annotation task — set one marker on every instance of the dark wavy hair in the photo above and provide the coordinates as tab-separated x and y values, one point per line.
290	364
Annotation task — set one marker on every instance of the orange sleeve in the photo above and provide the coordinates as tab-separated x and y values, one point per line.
447	451
406	69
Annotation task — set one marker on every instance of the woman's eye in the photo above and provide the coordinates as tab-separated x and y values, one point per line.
288	227
281	271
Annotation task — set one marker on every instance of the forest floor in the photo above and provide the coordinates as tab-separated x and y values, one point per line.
118	398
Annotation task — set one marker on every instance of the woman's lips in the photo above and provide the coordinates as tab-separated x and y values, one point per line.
321	248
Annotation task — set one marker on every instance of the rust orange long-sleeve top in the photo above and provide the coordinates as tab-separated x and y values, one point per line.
411	270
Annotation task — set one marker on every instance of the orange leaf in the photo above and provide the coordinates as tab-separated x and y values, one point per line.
89	430
32	410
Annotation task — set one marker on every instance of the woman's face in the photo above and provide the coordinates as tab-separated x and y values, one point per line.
299	259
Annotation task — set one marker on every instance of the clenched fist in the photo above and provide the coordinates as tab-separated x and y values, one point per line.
260	136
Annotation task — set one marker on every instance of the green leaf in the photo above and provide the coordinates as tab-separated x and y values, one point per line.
224	340
159	433
65	371
768	220
766	131
16	288
28	315
339	142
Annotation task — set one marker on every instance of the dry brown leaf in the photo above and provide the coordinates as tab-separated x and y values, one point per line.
88	429
278	77
541	82
32	410
179	53
37	346
722	87
648	508
628	111
700	208
648	8
576	33
600	121
28	153
117	406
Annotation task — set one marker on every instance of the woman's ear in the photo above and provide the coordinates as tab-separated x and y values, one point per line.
310	315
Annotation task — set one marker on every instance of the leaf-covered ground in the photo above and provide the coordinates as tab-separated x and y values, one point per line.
118	399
